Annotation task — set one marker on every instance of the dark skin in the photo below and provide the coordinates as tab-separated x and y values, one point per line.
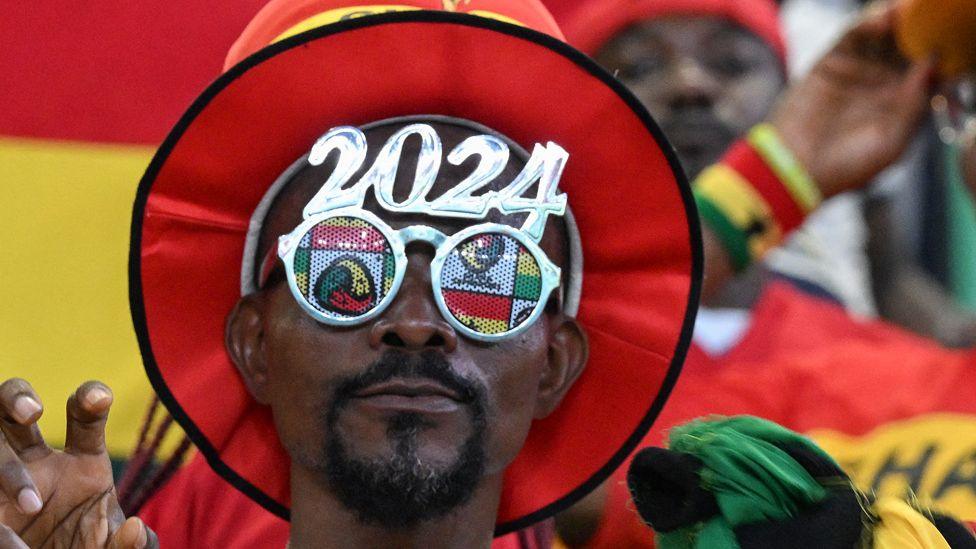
74	486
269	338
705	80
291	363
848	119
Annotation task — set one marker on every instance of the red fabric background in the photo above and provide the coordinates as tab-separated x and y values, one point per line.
806	364
118	72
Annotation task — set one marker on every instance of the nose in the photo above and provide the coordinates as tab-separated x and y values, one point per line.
413	321
692	86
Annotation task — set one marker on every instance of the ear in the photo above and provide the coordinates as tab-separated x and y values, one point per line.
568	352
244	340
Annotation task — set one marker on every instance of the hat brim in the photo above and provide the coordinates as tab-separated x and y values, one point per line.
633	208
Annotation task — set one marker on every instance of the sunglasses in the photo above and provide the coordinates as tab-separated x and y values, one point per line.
490	281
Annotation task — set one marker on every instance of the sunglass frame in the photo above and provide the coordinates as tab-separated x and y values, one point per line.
442	243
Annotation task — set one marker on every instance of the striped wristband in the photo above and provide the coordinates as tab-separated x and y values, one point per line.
755	196
779	157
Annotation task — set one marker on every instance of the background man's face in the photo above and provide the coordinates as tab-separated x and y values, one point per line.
402	405
704	79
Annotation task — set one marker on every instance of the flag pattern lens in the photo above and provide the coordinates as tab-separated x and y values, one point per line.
491	283
344	267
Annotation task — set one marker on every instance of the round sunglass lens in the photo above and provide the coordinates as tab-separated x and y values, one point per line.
491	283
344	267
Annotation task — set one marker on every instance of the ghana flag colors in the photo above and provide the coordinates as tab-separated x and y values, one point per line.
88	95
87	99
491	283
344	266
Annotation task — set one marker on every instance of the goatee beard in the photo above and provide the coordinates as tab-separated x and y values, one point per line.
402	490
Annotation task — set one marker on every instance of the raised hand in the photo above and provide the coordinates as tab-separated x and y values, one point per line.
51	498
857	110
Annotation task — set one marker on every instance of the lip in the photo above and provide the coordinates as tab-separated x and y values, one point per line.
389	403
409	388
695	136
422	396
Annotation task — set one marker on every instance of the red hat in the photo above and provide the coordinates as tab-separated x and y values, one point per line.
595	22
304	66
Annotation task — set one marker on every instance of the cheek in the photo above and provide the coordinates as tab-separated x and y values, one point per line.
746	101
514	389
305	360
652	93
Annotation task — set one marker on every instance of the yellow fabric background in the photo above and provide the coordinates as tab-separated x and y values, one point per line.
64	238
944	443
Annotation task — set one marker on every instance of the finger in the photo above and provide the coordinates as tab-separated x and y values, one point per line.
923	76
20	408
915	92
26	440
133	534
87	414
876	24
879	17
16	482
18	402
10	540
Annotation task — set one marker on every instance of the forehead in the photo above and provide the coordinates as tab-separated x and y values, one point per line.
688	34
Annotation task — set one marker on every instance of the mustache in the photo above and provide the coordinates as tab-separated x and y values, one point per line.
431	365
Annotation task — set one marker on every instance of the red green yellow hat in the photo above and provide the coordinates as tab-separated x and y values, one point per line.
304	66
595	22
945	28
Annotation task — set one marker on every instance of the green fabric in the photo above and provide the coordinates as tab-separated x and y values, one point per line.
961	226
753	479
733	239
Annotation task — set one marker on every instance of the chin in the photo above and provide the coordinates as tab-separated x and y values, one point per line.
417	477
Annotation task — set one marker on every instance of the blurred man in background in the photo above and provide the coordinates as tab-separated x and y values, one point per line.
798	360
706	70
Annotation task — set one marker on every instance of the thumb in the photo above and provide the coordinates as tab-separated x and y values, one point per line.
133	534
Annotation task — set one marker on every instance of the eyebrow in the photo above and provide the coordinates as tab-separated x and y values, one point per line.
736	32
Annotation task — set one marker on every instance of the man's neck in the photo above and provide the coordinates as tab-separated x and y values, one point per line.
319	520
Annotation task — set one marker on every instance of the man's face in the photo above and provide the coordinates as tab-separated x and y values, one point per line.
704	79
400	417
